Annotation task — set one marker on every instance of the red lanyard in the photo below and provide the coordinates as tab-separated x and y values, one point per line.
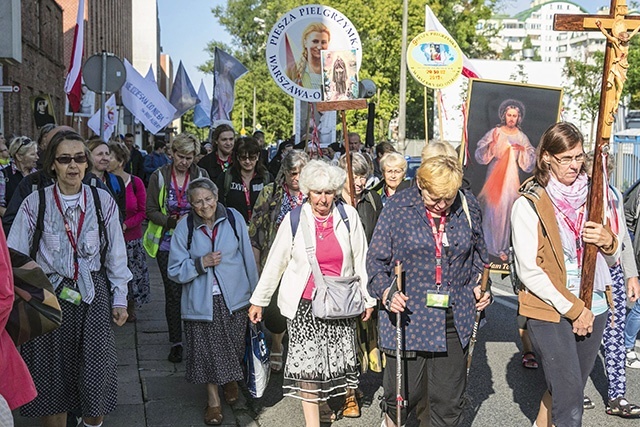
67	228
179	193
247	196
223	164
438	234
214	233
575	229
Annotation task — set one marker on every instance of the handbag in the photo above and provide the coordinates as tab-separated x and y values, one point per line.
334	297
256	361
36	310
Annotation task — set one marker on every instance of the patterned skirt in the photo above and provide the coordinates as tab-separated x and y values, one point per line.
215	349
321	362
139	287
75	366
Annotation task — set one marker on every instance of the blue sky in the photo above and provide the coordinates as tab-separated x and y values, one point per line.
187	26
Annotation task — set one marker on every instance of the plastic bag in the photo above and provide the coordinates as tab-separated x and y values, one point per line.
256	361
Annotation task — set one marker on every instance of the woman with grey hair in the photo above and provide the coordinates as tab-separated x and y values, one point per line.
24	155
273	203
393	167
322	353
366	202
211	258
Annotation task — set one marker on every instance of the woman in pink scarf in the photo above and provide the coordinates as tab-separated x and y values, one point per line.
551	216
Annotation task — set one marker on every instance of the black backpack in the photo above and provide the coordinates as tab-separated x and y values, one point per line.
230	217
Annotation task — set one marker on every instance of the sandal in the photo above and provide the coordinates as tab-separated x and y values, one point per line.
622	408
276	365
327	415
588	403
529	360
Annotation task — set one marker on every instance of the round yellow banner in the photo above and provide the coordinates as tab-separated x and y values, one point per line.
434	59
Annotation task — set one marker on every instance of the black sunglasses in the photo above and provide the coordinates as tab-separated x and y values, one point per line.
78	158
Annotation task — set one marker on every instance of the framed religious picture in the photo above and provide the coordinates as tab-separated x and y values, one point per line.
339	75
504	125
87	104
42	108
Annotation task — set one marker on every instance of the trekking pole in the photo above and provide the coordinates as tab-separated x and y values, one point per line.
474	333
399	400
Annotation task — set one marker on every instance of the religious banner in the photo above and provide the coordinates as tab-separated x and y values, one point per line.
434	59
145	101
505	123
226	70
110	119
295	43
183	95
340	75
42	108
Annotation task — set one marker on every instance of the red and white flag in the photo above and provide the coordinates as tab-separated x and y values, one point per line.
73	84
432	23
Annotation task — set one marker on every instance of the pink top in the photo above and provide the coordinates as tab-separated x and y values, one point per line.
136	205
328	253
16	385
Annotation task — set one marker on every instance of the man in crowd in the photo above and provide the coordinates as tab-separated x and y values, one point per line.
135	165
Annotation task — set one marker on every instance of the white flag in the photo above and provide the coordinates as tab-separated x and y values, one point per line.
110	119
145	101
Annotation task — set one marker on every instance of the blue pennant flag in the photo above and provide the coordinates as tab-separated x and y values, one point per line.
201	112
226	70
183	95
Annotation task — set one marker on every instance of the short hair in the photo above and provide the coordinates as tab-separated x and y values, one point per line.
120	150
558	138
20	145
44	130
258	133
319	175
94	142
294	159
440	176
129	135
393	159
218	131
50	152
248	146
159	143
384	147
185	143
350	134
438	148
201	183
359	164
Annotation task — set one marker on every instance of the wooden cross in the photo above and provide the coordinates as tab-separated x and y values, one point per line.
613	77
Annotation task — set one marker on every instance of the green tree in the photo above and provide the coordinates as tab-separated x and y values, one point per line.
379	26
632	85
507	53
528	44
585	77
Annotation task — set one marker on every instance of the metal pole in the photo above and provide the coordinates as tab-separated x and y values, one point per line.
103	93
402	108
347	152
255	103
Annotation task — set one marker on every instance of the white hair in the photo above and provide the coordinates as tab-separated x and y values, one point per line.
319	175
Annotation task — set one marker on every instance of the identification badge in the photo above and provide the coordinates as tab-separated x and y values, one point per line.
573	277
71	296
438	299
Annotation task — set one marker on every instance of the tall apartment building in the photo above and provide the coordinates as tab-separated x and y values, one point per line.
536	23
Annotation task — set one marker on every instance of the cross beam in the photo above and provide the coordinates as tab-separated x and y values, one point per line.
614	26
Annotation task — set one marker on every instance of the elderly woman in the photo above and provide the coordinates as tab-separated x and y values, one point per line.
135	200
550	216
167	202
24	155
322	353
366	202
435	230
78	242
274	202
101	158
211	257
394	168
241	184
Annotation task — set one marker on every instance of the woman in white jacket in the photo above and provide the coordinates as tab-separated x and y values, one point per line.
322	362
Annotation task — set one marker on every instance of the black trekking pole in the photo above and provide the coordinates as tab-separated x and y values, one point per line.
400	402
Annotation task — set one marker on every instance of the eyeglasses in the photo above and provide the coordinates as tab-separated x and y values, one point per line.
252	158
394	172
78	158
203	202
564	161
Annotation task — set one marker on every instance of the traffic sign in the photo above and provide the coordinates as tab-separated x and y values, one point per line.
115	75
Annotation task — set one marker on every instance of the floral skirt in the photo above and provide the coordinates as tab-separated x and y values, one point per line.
139	287
321	362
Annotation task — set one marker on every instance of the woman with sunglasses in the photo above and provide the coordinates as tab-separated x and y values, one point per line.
241	184
80	249
167	203
24	155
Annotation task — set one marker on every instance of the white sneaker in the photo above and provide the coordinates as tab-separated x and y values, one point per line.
632	360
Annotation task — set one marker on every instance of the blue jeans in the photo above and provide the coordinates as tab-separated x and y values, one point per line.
633	326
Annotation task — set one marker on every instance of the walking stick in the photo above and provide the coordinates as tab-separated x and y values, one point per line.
399	400
474	333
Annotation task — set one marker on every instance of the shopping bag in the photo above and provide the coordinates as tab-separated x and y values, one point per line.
256	361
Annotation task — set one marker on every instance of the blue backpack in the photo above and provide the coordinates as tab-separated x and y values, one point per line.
294	217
